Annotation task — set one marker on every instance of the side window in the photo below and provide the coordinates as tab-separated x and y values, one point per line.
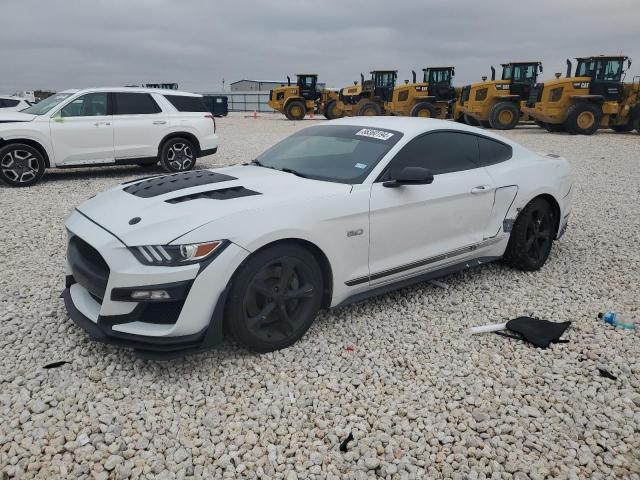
492	152
440	152
127	103
89	105
8	102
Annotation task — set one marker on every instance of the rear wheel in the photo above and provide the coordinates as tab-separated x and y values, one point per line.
331	111
424	110
583	118
274	298
21	165
469	120
369	109
177	155
295	110
504	116
532	235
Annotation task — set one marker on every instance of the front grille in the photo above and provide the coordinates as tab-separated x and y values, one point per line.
466	91
535	95
88	267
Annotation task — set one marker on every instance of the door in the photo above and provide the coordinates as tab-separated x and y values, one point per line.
412	225
139	124
82	131
607	78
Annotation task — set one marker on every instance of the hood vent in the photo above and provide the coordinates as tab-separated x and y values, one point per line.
155	186
220	194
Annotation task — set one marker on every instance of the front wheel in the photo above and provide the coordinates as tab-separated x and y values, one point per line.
177	155
274	298
583	118
425	110
295	110
331	111
504	116
369	109
532	236
21	165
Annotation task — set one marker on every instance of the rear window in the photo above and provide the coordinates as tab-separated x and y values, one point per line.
8	102
492	152
187	104
127	103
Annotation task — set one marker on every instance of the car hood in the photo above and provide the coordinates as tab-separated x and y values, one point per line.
158	210
15	116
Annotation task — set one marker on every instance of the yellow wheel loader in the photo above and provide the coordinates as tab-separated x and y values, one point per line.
431	98
294	101
368	97
497	103
596	97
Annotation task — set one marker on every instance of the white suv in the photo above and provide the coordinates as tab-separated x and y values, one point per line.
105	126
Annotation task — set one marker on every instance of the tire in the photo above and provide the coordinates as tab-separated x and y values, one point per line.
177	155
258	314
331	111
369	109
504	116
583	118
532	236
469	120
622	128
21	165
424	110
295	110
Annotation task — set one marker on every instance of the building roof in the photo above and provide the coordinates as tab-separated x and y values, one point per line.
258	81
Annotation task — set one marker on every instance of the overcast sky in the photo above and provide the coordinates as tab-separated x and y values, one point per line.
84	43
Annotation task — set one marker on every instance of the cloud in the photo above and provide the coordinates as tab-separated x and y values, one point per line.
197	43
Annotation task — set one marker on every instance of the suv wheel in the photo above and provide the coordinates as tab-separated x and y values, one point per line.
274	298
178	155
21	165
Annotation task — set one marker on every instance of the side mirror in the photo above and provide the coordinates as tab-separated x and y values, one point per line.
410	176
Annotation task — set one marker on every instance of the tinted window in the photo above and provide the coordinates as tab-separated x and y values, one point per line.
492	152
8	102
134	104
187	104
440	152
89	105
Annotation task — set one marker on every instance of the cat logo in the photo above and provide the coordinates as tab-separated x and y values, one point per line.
580	84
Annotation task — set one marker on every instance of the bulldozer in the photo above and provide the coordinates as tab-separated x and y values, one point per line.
294	101
368	97
497	103
595	97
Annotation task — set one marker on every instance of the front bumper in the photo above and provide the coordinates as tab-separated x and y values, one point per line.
102	272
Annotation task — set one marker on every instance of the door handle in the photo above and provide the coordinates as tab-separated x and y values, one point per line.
481	189
160	122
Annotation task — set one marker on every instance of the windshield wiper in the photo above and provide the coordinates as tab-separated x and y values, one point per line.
257	163
295	172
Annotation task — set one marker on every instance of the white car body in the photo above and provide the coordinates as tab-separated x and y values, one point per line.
373	238
107	138
12	104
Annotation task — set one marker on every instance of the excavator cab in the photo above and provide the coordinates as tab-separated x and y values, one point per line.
522	77
383	83
606	75
439	80
308	85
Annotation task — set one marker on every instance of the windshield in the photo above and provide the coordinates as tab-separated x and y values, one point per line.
601	69
439	76
519	73
336	153
47	104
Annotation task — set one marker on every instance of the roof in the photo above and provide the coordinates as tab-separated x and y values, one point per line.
306	74
438	68
258	81
131	89
522	63
624	57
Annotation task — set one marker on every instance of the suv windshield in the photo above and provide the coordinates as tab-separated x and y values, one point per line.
47	104
336	153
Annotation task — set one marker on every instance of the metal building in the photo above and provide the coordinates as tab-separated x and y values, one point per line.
262	85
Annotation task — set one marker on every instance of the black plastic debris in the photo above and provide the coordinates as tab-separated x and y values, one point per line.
540	333
607	374
55	364
343	445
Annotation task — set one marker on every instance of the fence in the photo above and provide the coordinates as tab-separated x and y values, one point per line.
245	101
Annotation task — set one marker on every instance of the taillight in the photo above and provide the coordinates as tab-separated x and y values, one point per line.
214	121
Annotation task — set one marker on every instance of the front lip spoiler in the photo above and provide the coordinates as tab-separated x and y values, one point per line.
152	348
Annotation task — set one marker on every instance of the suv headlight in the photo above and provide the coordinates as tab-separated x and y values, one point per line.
176	255
555	94
481	94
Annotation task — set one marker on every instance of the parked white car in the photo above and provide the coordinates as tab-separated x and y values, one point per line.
105	126
333	214
13	104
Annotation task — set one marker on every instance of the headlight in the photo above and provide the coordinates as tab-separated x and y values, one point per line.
481	94
175	255
555	94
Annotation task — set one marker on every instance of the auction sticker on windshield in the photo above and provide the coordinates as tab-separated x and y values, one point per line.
379	134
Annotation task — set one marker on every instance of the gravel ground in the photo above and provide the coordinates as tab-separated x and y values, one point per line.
421	399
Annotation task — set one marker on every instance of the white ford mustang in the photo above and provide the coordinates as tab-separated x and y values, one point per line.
333	214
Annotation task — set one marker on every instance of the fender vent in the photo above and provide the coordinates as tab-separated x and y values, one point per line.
220	194
155	186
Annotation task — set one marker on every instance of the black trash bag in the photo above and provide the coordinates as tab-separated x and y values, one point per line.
538	332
